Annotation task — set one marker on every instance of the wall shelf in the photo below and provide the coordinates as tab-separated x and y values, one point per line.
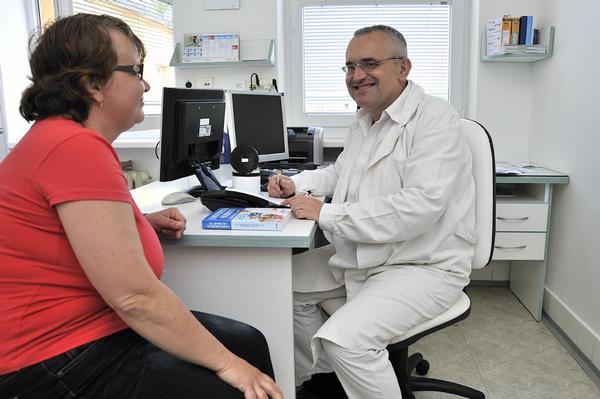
520	56
248	58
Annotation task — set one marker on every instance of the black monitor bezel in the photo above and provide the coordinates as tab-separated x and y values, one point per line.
172	169
279	156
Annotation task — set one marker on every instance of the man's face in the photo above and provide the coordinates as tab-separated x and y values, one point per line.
378	88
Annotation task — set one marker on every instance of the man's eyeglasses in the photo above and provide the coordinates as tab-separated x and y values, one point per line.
132	69
366	66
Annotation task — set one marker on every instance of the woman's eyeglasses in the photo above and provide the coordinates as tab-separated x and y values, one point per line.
132	69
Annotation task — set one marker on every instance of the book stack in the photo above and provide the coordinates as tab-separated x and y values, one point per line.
506	35
247	219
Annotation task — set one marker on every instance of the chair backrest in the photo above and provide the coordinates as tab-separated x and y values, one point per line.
484	173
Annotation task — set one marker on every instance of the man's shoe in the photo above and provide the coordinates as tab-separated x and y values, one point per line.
321	386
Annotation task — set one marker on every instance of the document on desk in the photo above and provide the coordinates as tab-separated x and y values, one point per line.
506	168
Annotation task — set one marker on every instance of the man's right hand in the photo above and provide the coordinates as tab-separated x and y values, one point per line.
280	186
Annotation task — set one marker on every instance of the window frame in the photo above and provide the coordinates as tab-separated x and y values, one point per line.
294	54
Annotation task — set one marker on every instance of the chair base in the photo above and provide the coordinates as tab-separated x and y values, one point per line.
405	365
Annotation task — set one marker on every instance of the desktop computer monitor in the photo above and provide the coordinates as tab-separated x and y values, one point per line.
192	133
258	119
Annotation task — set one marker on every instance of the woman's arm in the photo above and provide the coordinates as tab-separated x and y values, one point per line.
105	240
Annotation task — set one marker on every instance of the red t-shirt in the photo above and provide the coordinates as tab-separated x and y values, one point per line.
47	304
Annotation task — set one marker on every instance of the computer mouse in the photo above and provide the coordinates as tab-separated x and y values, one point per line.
177	198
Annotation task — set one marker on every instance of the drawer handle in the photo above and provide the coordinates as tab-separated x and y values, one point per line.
516	219
517	247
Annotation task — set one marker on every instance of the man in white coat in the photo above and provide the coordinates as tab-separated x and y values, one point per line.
401	224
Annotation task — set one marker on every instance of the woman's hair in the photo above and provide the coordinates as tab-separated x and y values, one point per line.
72	52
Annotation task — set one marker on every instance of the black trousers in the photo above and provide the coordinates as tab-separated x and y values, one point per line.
125	365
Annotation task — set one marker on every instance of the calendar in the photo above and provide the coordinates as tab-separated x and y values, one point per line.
210	47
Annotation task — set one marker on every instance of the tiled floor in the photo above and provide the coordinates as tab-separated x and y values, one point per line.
501	350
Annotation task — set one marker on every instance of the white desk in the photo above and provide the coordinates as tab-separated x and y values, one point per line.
523	229
245	275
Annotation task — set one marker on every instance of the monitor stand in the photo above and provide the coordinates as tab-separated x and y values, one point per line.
208	181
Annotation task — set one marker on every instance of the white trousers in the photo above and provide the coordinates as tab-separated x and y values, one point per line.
382	303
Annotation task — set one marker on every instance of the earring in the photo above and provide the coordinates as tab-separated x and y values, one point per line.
101	103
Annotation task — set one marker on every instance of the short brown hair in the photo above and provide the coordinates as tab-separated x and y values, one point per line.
72	52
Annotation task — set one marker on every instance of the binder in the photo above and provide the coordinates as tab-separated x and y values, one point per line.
506	27
514	30
522	29
529	30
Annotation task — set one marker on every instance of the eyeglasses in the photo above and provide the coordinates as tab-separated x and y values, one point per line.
366	66
132	69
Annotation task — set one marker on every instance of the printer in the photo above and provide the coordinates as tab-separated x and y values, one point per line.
305	145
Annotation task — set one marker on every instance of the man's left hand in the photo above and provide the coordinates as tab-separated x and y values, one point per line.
168	222
305	206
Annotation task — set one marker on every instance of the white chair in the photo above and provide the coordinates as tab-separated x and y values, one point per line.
484	174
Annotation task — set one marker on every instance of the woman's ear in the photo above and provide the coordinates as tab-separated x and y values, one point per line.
94	89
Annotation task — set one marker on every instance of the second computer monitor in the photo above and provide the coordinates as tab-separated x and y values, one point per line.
258	119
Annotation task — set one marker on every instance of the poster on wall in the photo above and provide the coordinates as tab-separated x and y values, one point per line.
210	47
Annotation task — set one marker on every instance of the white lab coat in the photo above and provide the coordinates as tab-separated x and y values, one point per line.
416	199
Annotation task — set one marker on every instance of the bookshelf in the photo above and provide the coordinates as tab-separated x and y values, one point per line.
268	47
521	56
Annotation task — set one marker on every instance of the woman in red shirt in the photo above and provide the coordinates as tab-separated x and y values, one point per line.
83	312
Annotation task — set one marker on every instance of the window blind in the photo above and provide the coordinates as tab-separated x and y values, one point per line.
328	29
151	21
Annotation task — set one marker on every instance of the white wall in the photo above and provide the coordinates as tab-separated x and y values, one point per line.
14	33
254	20
565	133
504	90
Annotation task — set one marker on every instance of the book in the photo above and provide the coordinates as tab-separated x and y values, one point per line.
506	29
529	30
514	30
247	219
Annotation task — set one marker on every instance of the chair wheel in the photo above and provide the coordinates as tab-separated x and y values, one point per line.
422	367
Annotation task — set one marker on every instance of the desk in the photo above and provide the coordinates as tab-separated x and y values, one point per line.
245	275
523	229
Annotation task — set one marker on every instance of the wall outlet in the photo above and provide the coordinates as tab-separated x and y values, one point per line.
205	83
240	85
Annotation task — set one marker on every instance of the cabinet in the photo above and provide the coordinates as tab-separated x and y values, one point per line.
522	231
546	37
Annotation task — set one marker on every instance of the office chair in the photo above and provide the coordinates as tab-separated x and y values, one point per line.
484	174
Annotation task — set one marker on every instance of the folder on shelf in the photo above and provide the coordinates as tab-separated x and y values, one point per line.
514	30
506	30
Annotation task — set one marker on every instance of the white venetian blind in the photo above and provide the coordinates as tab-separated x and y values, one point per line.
328	29
151	21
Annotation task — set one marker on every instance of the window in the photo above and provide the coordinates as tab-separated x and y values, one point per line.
319	36
151	21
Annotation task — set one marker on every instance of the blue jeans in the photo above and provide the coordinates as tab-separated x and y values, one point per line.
125	365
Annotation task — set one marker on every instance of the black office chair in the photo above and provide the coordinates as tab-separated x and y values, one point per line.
484	173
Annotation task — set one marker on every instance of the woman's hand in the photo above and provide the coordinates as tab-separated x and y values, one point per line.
249	380
168	222
280	186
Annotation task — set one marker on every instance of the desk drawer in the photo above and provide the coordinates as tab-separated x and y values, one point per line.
521	217
519	246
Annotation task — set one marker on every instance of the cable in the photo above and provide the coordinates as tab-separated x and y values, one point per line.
156	150
274	83
254	86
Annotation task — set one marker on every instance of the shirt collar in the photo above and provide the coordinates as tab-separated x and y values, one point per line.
393	111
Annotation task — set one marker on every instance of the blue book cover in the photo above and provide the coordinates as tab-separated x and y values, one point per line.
247	219
529	31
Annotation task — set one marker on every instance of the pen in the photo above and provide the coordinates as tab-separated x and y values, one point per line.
277	177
